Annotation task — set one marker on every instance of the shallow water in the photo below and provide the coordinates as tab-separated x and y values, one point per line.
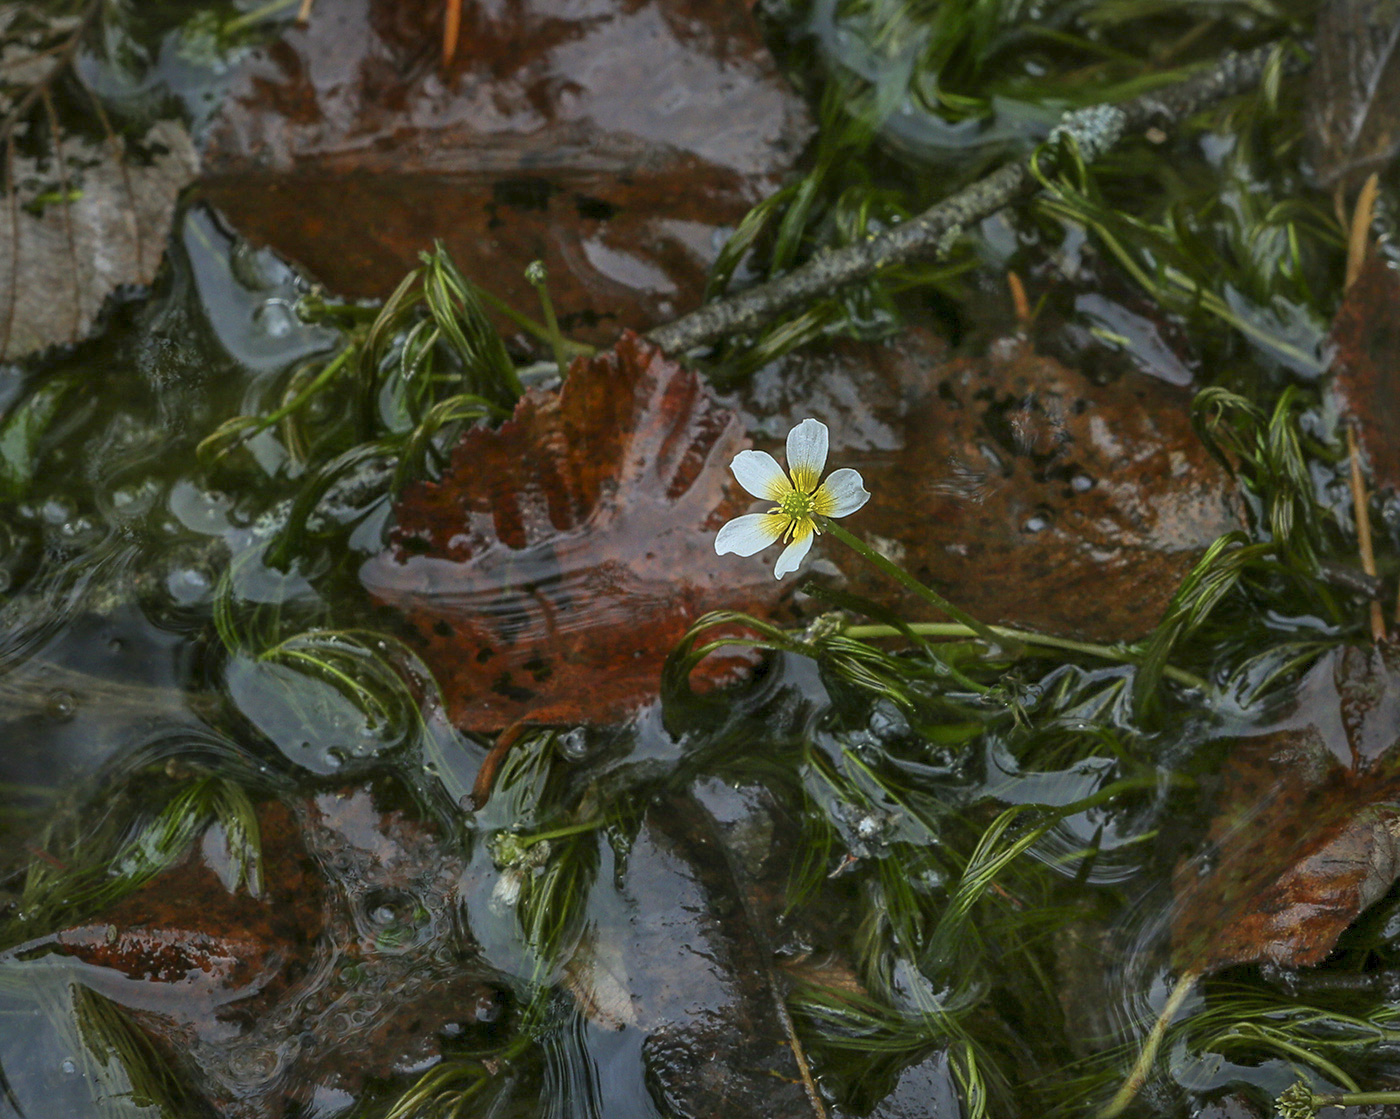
241	865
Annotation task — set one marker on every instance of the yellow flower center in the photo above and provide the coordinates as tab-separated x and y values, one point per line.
797	505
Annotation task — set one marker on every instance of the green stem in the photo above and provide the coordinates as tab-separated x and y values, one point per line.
257	15
531	327
560	833
551	324
1103	652
904	579
1143	1066
333	367
1358	1099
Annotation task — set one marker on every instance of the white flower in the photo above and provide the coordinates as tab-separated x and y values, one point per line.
797	501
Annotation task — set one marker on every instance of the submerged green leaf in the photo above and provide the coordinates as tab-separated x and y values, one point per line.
21	432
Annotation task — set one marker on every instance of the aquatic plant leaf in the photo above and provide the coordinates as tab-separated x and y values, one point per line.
20	432
1307	829
1018	487
561	556
614	141
1366	367
1353	108
84	221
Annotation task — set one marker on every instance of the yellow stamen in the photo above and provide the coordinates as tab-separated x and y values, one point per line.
778	488
804	478
775	524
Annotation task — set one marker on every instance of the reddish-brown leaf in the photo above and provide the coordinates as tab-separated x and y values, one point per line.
560	557
205	945
611	139
1307	831
1018	487
1366	366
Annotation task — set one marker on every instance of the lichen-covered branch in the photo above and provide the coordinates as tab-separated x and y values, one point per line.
1095	130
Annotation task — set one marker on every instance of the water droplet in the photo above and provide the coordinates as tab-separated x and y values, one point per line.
275	318
573	745
60	705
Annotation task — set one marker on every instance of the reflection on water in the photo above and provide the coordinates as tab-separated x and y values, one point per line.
239	867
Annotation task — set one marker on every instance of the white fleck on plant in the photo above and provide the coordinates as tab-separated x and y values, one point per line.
798	499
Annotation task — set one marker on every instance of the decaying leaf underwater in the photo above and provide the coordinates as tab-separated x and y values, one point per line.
384	735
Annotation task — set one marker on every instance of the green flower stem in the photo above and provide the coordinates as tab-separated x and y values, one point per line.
539	280
949	629
572	349
904	579
1148	1056
1358	1099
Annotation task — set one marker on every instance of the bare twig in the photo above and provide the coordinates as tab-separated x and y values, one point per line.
118	150
304	13
1019	301
1094	130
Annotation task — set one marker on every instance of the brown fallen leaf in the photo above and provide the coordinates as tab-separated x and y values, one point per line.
561	556
83	217
1366	367
1022	490
1352	115
1305	836
188	931
1307	830
615	141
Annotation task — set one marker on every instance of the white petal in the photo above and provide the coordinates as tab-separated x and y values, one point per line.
793	555
842	493
749	534
806	454
760	474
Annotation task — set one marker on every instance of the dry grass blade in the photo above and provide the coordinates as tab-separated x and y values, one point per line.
451	31
1359	240
1363	529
